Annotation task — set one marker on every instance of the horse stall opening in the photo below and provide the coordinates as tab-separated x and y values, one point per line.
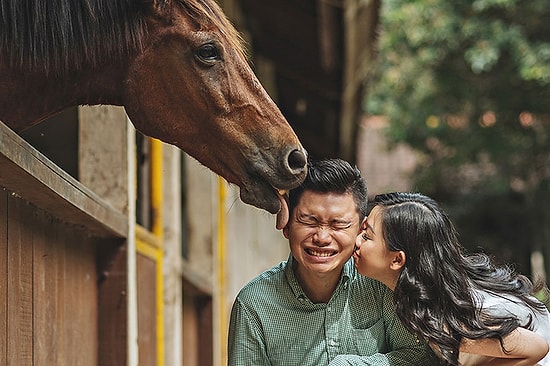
63	280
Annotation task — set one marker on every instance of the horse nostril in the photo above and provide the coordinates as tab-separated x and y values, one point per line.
297	160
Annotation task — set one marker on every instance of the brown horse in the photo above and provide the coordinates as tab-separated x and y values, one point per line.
177	66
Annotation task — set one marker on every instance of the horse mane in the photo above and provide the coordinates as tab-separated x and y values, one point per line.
62	36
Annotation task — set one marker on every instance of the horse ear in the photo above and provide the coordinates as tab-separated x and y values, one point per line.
159	7
161	4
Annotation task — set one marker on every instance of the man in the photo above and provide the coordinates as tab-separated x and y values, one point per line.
314	309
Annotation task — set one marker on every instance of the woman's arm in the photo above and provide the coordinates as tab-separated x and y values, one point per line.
523	347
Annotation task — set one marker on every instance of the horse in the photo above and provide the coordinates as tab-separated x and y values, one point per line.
178	67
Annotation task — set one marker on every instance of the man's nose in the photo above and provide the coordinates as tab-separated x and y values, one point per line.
323	235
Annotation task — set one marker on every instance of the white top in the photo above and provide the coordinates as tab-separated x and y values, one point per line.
507	305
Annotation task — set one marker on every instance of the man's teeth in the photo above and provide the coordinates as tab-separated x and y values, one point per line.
319	253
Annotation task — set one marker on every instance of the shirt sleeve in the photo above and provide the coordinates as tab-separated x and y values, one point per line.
246	344
404	348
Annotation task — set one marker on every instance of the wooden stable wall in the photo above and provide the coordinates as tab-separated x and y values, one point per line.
63	266
49	279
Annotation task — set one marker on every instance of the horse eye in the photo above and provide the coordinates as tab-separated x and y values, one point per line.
208	53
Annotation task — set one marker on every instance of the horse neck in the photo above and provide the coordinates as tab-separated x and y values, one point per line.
28	98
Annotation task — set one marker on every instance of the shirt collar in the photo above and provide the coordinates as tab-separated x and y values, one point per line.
292	280
348	274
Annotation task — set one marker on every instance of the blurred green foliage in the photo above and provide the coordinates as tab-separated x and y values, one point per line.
467	84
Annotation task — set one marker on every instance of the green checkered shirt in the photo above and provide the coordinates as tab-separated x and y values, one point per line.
274	323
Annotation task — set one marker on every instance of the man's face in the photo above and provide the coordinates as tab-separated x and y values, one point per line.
322	231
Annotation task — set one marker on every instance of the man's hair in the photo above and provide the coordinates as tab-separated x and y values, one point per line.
333	176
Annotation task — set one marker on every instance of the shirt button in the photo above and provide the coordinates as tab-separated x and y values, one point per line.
332	342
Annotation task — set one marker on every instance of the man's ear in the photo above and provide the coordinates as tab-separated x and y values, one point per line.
363	225
285	231
398	261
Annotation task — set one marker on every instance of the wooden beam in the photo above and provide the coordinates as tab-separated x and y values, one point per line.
29	174
3	277
361	22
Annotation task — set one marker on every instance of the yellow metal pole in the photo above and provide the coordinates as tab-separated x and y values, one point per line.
157	230
156	188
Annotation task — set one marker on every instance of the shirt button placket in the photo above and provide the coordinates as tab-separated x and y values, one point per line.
331	329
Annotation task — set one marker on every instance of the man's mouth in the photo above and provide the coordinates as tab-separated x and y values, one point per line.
320	253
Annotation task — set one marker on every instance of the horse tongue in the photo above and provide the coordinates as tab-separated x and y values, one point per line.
282	215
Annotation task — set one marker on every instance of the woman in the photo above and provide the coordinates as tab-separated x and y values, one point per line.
469	310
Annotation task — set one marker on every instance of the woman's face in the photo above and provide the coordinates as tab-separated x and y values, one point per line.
371	256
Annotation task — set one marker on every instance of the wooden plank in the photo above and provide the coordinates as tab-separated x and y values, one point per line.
147	324
3	275
80	300
47	262
30	174
198	342
206	340
65	294
113	303
20	304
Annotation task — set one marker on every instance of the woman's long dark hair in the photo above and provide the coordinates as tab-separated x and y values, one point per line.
433	294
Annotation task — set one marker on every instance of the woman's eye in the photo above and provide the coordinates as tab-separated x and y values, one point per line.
365	236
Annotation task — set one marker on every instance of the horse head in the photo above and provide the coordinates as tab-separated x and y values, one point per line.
202	96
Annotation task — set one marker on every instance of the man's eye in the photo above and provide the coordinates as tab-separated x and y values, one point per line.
365	236
341	226
306	222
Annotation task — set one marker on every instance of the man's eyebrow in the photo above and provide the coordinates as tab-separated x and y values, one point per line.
304	215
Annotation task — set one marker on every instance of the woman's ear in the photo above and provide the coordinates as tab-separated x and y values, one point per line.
398	261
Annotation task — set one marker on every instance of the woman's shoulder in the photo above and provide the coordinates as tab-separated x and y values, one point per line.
502	305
